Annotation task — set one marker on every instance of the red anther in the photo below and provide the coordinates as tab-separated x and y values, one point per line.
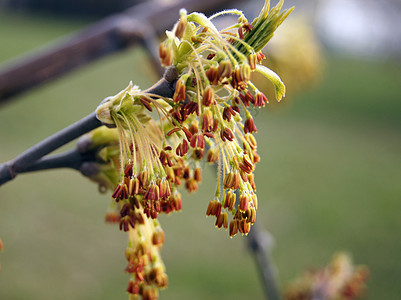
187	133
208	96
233	228
185	147
117	192
212	75
248	27
244	99
169	162
215	125
249	126
180	91
224	70
252	59
172	131
209	134
192	107
133	186
191	185
125	210
201	141
145	103
260	56
240	33
198	174
128	170
211	55
243	202
193	141
227	133
260	100
178	150
226	114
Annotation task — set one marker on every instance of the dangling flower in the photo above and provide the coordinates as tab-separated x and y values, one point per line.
162	140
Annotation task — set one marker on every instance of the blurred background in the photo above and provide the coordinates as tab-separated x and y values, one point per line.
329	178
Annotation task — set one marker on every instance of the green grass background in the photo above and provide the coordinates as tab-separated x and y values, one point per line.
329	180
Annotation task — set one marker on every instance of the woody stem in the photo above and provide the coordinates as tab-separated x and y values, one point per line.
22	163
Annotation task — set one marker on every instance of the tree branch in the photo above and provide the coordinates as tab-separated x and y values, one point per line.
25	162
258	243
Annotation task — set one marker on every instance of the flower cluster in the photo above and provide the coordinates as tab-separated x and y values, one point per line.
341	280
163	140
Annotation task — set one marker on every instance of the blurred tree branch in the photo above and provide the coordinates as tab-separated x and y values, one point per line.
110	35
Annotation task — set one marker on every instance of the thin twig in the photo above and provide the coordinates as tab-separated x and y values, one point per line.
258	243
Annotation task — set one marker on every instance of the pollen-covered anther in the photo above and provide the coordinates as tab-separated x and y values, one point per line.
126	222
207	120
251	215
165	54
208	96
230	200
158	237
252	181
191	185
222	220
248	27
180	29
214	208
252	59
255	201
176	201
244	227
227	113
245	72
143	178
187	133
247	165
133	288
128	170
260	56
212	75
199	153
224	70
212	155
198	174
256	157
251	140
125	210
243	202
226	134
146	102
164	188
182	148
260	100
117	192
246	98
233	228
152	192
189	108
249	126
198	140
232	181
237	80
133	187
180	91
